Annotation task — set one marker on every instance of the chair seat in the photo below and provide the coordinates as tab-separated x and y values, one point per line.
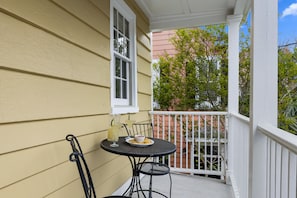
153	168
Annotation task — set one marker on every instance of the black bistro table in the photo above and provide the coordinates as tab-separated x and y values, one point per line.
158	149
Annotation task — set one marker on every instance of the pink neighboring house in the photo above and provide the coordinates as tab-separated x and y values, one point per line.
161	44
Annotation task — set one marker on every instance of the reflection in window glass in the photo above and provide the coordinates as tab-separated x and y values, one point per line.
121	34
124	71
115	40
121	23
125	89
118	88
118	68
115	18
126	28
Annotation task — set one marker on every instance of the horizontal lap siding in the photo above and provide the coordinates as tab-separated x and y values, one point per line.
143	65
144	102
30	97
35	50
54	80
48	16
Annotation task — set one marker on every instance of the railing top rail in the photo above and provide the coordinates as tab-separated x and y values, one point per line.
188	112
240	117
280	136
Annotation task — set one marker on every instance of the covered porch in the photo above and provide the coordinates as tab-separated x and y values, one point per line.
56	75
260	159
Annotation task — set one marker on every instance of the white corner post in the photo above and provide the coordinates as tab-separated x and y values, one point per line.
263	99
233	80
233	62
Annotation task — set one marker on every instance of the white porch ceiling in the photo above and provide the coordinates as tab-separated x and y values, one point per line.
174	14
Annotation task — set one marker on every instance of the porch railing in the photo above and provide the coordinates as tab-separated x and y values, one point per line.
239	150
201	139
281	166
280	159
209	143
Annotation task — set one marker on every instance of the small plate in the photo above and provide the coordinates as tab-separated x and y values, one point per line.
147	142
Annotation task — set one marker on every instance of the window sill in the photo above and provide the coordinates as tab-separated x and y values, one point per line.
124	109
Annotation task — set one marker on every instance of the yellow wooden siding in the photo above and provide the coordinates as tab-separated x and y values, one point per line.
143	52
144	66
47	131
50	17
35	50
88	13
144	84
31	97
54	80
144	102
102	5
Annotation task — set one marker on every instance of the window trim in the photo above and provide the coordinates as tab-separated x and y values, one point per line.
117	108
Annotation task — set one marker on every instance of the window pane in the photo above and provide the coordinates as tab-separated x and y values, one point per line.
115	40
118	88
115	18
128	49
118	68
121	23
125	48
121	43
124	70
125	89
127	28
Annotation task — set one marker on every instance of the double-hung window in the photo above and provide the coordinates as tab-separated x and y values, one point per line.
123	58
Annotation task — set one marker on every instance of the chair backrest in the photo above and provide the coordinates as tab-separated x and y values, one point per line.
84	172
145	129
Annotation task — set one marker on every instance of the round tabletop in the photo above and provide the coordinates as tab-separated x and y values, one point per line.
159	148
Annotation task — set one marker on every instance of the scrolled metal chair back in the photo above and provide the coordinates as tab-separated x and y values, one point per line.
84	172
145	129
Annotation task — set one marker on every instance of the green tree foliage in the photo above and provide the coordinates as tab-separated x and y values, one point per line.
244	74
197	74
192	77
163	90
287	89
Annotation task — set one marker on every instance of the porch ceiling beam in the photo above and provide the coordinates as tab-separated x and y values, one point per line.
175	14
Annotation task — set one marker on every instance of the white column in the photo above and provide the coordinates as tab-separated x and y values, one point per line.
233	79
233	62
263	100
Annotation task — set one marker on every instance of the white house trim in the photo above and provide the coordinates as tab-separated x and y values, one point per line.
233	62
263	107
233	86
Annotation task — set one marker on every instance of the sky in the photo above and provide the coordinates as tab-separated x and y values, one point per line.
287	23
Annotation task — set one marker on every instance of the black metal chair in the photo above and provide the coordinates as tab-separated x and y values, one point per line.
154	167
84	172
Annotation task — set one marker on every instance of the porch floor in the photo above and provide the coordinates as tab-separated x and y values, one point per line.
190	186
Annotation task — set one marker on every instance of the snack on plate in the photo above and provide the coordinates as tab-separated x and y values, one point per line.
146	141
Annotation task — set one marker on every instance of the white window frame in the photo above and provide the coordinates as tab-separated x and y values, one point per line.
119	106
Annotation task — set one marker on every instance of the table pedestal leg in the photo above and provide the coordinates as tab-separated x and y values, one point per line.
135	186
